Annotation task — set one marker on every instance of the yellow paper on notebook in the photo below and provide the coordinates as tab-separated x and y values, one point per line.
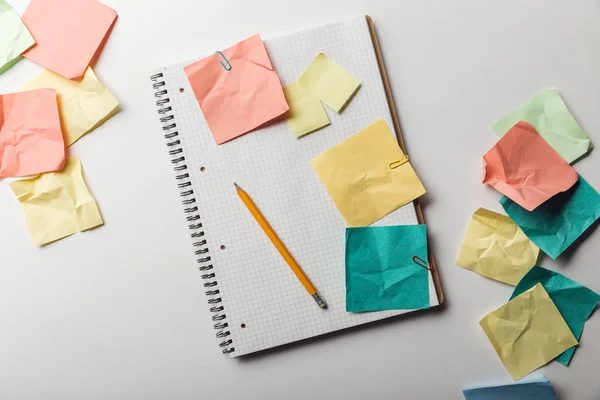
329	82
497	248
57	204
528	332
82	105
306	113
368	176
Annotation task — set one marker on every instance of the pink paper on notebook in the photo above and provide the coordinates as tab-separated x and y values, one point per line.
68	33
239	100
31	140
525	168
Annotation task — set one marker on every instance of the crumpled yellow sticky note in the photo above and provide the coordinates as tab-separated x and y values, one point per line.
238	100
31	140
57	204
329	82
306	113
368	176
528	332
496	247
83	105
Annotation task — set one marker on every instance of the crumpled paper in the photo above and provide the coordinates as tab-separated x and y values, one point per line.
559	222
82	105
237	101
380	272
524	167
497	248
528	332
31	140
329	82
574	301
535	389
68	33
358	177
14	37
550	116
57	204
306	114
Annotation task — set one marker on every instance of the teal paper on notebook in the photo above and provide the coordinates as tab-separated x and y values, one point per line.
549	115
535	389
560	221
380	271
574	301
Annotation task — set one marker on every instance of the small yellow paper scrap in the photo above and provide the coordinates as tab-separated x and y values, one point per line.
528	332
306	113
368	176
496	247
57	204
82	105
329	82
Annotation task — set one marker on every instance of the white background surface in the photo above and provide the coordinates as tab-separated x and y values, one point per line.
118	313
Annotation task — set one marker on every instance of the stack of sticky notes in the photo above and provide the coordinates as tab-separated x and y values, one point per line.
368	176
549	207
52	111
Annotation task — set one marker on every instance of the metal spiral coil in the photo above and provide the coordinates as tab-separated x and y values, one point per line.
176	152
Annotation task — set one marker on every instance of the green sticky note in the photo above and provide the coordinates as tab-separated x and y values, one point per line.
557	223
380	271
550	116
574	301
14	37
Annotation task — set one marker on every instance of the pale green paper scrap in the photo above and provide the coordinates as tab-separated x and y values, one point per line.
14	37
550	116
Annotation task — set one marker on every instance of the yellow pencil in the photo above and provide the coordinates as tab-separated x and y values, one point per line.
280	246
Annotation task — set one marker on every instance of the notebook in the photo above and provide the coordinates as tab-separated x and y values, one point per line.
255	300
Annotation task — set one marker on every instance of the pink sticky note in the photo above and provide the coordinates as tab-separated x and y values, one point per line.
67	33
237	101
31	140
525	168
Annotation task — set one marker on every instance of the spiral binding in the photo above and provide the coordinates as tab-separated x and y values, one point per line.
188	200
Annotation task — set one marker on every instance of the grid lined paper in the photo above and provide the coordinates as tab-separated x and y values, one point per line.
256	286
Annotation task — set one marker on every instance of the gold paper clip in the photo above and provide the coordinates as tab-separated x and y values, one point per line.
228	66
397	163
421	263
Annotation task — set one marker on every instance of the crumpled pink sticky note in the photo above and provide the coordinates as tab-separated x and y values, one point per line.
237	101
525	168
67	33
31	140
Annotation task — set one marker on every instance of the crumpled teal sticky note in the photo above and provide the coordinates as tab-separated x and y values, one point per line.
574	301
557	223
535	389
552	119
14	37
380	272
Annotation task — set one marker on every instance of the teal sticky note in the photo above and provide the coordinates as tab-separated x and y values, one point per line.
574	301
535	389
380	271
14	37
557	223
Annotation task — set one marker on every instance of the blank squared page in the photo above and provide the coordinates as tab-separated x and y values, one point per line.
257	288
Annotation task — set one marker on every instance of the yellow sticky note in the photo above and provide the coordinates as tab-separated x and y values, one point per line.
57	204
306	113
82	105
528	332
368	176
496	247
329	82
